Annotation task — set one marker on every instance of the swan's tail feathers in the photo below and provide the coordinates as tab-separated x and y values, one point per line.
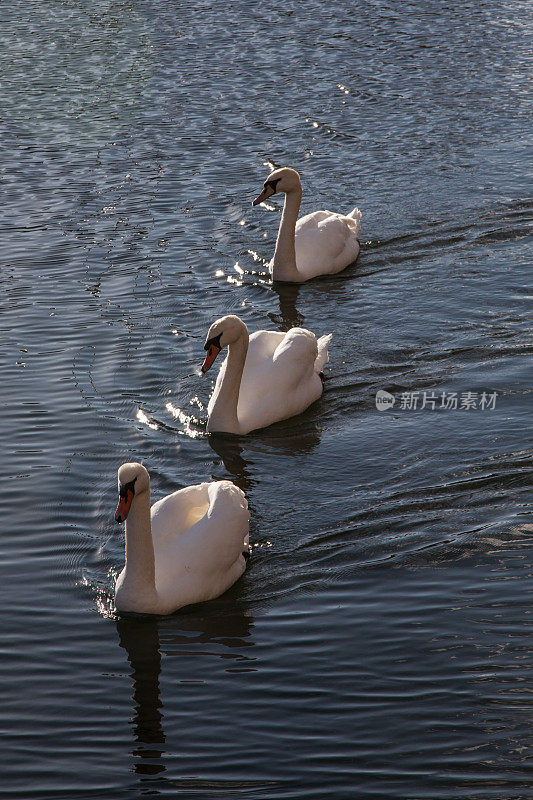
356	216
322	357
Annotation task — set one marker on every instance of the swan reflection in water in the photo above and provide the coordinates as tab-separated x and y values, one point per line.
230	448
145	638
333	289
240	454
289	316
139	636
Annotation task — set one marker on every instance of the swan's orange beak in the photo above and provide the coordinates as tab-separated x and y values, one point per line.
212	353
124	505
267	191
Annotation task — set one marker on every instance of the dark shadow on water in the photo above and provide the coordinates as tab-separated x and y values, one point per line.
295	436
226	620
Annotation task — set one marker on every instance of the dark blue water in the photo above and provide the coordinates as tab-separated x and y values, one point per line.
379	643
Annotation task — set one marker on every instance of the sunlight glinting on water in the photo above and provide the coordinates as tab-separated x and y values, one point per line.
145	420
186	420
255	256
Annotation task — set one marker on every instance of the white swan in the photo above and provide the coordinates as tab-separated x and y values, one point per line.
320	243
266	377
189	547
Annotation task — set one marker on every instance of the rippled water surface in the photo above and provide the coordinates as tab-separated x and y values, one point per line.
378	645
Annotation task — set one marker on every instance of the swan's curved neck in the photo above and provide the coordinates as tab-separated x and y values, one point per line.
140	561
223	415
284	261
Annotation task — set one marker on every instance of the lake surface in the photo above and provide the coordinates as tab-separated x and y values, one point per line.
379	643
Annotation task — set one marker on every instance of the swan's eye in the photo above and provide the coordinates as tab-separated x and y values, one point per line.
127	487
273	184
215	340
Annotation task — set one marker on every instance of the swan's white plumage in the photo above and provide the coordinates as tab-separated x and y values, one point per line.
323	355
326	242
280	378
198	535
